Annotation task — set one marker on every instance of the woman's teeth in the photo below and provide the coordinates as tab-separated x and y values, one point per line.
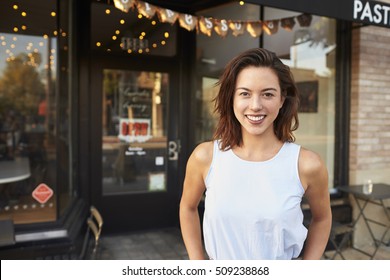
255	118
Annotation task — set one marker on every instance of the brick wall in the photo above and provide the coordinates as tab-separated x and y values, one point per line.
370	105
370	117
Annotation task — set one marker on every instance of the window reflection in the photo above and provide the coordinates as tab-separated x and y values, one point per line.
310	52
115	31
28	109
134	140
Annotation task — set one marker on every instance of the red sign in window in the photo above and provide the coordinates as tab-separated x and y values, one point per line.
42	193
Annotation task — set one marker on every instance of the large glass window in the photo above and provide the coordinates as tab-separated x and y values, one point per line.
306	44
34	111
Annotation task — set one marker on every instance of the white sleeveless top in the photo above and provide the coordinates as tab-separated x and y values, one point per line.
252	209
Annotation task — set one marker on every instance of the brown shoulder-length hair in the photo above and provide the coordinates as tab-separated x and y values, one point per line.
228	129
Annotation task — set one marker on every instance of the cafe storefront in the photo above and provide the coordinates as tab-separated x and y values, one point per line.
101	103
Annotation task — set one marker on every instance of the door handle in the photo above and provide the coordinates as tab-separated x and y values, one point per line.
174	149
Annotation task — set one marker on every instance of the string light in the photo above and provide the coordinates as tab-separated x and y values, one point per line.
242	3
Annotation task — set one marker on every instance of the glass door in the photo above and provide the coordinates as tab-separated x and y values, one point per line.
134	131
134	162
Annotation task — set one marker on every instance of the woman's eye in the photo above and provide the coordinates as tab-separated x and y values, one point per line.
268	94
244	93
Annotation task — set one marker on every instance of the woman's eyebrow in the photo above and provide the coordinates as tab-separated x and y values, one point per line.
265	89
243	88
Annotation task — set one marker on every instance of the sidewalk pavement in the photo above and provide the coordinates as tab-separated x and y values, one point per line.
167	244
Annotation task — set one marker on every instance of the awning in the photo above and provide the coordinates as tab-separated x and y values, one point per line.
362	11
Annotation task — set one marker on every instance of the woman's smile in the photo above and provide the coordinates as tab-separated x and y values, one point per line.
256	118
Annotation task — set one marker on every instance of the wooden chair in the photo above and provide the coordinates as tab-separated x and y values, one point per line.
94	228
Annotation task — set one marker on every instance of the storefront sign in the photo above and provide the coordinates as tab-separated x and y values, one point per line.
369	12
134	130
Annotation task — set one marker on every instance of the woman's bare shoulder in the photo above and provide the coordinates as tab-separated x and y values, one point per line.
203	153
310	161
312	168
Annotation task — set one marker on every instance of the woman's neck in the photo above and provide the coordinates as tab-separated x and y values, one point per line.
258	148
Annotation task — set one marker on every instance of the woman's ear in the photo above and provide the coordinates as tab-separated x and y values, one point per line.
283	98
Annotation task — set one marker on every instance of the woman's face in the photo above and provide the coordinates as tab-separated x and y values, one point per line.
257	100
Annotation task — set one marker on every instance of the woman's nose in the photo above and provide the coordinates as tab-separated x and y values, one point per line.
256	103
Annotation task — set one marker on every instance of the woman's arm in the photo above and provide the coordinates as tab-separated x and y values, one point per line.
197	167
315	177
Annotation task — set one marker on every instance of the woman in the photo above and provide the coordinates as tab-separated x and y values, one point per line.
253	175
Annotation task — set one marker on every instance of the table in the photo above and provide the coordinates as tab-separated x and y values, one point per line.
14	170
380	192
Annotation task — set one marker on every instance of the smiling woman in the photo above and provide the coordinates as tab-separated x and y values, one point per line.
251	211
